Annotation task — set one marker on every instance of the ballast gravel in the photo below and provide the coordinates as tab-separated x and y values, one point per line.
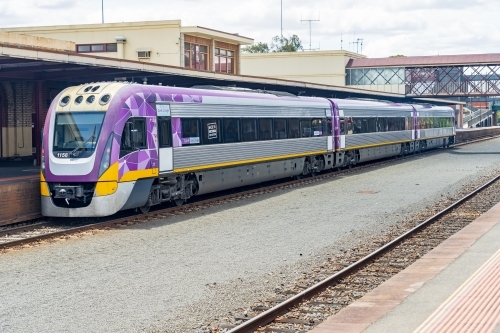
183	272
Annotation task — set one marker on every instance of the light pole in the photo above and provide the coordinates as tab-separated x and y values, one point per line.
281	31
102	10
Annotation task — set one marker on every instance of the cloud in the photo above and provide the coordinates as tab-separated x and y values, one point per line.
386	26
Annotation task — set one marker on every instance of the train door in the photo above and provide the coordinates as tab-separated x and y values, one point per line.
343	129
165	150
329	123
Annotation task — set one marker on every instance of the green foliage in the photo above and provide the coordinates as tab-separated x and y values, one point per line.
256	48
397	56
279	44
283	44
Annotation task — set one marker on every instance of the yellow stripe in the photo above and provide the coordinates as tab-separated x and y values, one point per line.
105	188
44	188
434	137
377	144
138	174
255	160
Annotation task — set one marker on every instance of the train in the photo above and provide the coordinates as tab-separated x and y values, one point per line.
112	146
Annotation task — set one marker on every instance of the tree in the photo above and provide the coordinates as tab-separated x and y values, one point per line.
398	56
256	48
279	44
283	44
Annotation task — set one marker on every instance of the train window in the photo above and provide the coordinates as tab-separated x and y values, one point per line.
231	130
190	131
164	131
211	131
265	129
249	129
318	127
280	128
305	128
382	125
342	126
328	126
369	125
293	128
126	144
140	126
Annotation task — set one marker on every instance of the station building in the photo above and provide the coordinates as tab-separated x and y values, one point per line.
159	42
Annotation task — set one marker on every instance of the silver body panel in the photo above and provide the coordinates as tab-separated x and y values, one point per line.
223	179
196	156
355	141
436	132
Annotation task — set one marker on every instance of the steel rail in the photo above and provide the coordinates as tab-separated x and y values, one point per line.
7	231
271	314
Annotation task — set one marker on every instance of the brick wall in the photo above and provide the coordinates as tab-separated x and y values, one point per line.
19	201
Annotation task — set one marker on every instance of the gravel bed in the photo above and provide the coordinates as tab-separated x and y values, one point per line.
179	274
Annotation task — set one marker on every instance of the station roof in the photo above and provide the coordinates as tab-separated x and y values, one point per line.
423	61
32	63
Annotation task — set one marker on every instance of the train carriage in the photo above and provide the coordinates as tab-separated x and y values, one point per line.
112	146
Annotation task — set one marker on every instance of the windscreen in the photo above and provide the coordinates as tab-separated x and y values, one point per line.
76	133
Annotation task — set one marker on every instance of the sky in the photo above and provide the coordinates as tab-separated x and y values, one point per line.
386	27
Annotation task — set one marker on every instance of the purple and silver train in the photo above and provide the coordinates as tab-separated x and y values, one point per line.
113	146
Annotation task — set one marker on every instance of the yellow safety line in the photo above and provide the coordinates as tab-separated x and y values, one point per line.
377	144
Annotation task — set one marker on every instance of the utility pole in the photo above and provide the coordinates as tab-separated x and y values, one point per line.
357	42
102	10
281	19
310	38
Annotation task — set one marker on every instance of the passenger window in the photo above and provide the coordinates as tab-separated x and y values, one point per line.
317	126
293	128
280	129
126	144
164	131
211	131
305	128
265	129
328	126
249	129
190	131
140	126
231	130
382	125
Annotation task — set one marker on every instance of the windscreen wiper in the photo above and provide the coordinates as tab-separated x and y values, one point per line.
92	137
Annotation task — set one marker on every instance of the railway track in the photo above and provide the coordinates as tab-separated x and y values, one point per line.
328	288
33	232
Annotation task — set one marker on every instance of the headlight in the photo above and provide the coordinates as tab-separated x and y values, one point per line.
106	156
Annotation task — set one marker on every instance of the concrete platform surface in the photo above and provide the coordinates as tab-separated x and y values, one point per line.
13	170
453	288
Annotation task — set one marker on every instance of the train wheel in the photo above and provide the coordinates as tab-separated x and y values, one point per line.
178	202
144	209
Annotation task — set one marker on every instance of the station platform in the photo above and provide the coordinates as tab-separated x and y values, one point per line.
19	191
463	134
13	170
453	288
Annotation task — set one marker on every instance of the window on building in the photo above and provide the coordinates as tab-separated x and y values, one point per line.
224	61
89	48
195	56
